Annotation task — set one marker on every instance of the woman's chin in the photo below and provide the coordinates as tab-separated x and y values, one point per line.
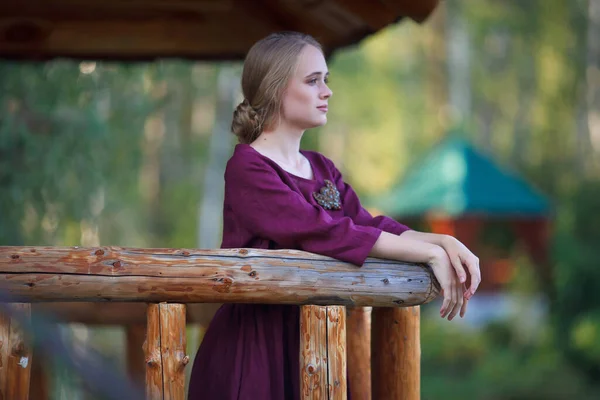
322	121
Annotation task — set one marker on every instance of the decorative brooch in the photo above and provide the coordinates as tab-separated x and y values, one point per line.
328	197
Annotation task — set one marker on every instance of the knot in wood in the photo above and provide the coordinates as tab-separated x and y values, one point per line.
385	280
117	264
243	252
151	362
18	349
311	369
99	252
185	360
15	256
252	274
184	253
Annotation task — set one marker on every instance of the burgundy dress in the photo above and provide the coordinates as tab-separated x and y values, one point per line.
251	351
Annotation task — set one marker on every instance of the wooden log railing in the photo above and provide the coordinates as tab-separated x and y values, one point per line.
168	279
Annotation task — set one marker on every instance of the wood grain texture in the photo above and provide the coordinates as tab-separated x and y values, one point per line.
313	353
152	350
36	274
172	344
358	332
336	353
396	353
16	356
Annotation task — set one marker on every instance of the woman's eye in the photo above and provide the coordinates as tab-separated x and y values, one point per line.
313	81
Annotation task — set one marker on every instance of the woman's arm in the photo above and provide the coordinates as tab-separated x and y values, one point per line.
433	238
458	254
404	248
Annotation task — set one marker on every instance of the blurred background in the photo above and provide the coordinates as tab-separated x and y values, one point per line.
483	122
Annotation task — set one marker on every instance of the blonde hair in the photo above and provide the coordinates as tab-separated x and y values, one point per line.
267	68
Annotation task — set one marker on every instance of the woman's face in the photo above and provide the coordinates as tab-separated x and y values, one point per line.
305	98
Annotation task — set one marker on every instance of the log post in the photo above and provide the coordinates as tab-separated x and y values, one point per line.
39	386
165	352
172	344
15	356
396	353
313	352
323	352
336	353
154	372
135	336
359	352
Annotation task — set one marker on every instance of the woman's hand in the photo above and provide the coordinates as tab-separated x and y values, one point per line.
460	256
452	288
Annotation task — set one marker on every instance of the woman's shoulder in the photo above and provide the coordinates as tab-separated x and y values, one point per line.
247	163
244	155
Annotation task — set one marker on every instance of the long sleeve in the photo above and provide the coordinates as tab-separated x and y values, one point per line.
270	209
354	209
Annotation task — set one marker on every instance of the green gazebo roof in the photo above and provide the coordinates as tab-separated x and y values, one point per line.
456	179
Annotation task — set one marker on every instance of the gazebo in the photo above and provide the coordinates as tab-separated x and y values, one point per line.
130	30
458	190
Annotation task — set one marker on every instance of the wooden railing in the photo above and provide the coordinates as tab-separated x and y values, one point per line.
168	279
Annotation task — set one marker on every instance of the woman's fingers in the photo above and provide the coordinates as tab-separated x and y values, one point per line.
446	305
463	309
450	294
473	266
458	267
458	297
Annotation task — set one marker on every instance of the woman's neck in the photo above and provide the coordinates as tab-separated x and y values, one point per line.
281	143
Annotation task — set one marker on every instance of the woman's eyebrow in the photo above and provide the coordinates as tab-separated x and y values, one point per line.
317	73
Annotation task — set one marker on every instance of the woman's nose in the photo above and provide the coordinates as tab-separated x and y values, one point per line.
326	93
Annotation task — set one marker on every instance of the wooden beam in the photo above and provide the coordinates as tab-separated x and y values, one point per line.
359	352
396	354
35	274
374	13
123	314
156	36
418	11
15	356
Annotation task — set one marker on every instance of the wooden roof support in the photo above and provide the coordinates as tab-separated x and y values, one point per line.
195	29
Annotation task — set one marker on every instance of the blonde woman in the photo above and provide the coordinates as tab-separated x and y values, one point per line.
280	197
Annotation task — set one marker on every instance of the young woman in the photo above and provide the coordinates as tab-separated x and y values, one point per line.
279	197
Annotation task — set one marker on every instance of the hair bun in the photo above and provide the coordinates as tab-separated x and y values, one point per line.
246	123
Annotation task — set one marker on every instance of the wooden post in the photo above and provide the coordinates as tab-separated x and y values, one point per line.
396	353
39	385
135	336
336	353
172	344
359	352
323	352
154	372
165	352
15	357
